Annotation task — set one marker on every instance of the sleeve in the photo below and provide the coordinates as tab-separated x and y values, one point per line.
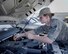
55	31
38	30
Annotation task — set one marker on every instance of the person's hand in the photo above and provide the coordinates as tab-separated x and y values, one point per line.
17	36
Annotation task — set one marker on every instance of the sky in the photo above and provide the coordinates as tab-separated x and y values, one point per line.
59	6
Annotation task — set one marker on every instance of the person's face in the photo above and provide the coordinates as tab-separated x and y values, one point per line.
45	19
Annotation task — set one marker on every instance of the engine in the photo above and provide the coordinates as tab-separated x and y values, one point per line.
26	46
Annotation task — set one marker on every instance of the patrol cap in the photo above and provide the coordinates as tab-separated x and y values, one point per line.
45	11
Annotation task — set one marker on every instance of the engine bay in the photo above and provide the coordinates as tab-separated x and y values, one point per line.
26	46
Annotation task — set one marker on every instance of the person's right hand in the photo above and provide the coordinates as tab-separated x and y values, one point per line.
17	36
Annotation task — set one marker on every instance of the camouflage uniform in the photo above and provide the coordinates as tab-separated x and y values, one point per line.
56	31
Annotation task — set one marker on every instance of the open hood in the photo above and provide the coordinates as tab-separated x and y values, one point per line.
21	8
8	20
